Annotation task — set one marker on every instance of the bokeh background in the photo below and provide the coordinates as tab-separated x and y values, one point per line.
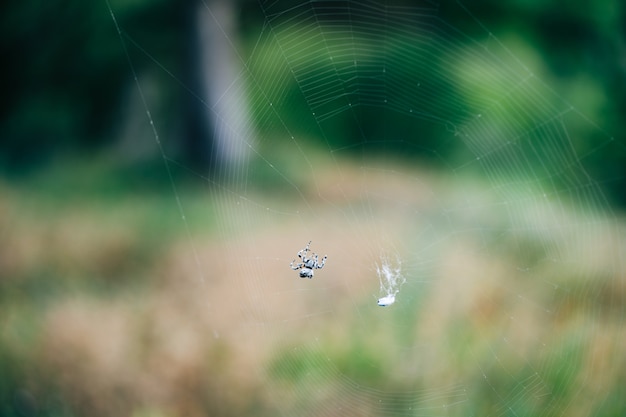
135	244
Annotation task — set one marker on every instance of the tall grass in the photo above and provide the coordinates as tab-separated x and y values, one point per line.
103	313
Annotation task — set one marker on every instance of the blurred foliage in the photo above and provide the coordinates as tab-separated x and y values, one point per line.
81	233
68	75
102	312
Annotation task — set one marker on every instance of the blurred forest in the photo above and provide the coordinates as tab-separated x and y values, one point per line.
68	80
101	309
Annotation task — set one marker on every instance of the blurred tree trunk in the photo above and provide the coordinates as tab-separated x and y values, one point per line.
218	122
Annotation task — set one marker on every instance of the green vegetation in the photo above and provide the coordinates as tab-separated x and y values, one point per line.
100	296
69	92
136	281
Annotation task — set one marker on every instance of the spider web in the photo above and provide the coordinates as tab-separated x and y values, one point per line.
385	132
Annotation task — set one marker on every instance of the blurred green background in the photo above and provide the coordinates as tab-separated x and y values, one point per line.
100	312
68	78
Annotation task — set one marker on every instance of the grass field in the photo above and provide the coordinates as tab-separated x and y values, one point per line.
110	304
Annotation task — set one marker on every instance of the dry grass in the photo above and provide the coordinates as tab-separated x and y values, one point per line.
99	320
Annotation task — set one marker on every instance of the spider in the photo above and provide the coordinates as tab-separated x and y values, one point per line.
307	265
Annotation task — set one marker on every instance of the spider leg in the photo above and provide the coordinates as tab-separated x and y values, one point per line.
300	265
320	265
303	252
